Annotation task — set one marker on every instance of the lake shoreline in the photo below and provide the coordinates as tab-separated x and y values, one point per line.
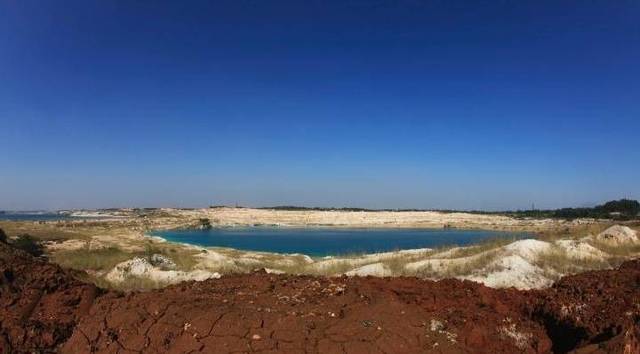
328	241
109	249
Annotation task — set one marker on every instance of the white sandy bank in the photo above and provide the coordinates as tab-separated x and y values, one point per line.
524	264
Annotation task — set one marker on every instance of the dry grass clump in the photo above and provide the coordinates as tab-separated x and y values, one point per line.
483	246
460	261
617	250
42	232
556	262
573	232
427	272
230	268
297	268
350	255
447	268
333	269
473	264
397	265
183	258
291	264
338	268
133	283
105	258
91	259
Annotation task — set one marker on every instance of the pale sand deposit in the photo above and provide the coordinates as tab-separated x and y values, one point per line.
378	219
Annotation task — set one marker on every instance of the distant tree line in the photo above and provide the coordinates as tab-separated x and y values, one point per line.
623	209
300	208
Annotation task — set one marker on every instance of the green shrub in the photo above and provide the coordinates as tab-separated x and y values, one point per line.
28	244
204	224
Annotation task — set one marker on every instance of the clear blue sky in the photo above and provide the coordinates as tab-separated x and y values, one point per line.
382	104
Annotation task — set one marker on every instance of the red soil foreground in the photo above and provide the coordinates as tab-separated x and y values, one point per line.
43	308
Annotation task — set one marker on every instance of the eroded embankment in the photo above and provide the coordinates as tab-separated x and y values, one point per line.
44	308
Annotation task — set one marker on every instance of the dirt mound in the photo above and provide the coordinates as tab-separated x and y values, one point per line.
39	303
618	234
594	306
45	309
305	314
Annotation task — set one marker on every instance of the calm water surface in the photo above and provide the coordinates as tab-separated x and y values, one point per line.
33	216
329	241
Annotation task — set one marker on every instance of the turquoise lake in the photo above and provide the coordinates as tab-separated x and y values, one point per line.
329	241
41	216
33	216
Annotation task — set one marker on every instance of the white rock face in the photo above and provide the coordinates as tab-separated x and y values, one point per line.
163	262
141	268
513	271
618	234
133	267
375	269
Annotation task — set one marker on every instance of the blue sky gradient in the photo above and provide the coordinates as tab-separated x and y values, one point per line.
382	104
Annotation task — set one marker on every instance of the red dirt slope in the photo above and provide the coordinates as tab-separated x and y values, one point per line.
45	309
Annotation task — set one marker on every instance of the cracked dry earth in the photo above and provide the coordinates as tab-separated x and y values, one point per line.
45	309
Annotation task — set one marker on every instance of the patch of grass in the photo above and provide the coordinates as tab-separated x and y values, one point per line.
351	255
396	265
41	232
234	268
427	272
479	262
333	269
446	268
479	255
617	250
556	262
134	283
289	265
483	246
184	259
573	232
91	259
